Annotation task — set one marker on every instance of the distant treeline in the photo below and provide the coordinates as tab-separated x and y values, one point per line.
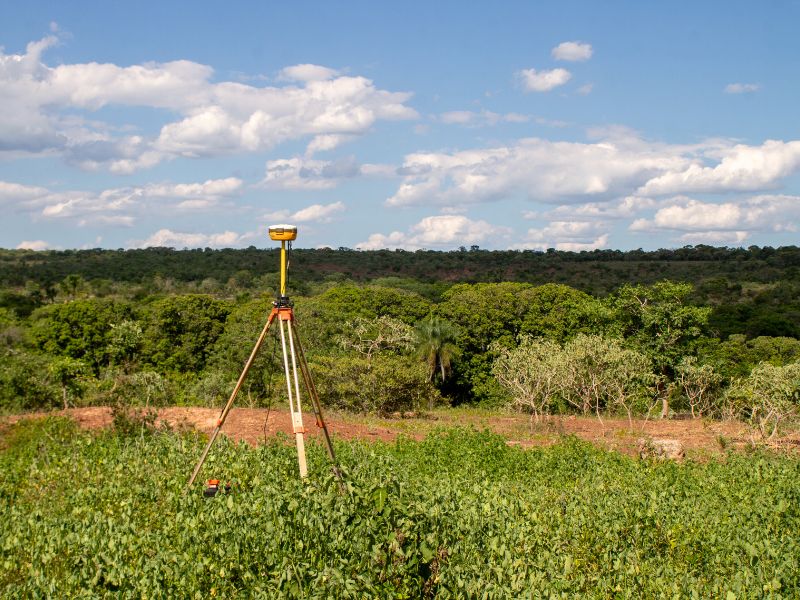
753	292
598	272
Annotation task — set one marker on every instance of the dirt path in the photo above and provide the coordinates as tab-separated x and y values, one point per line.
697	437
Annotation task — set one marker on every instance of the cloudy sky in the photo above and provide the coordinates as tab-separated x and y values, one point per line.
526	125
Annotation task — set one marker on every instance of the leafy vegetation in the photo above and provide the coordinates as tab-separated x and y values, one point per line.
590	373
457	515
622	344
768	396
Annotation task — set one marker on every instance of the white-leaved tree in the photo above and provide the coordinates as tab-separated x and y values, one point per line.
699	382
768	396
531	373
590	372
601	374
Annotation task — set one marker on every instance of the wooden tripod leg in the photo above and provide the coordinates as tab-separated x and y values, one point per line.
295	404
315	403
226	409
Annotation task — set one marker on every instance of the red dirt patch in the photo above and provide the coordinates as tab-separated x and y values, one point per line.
254	425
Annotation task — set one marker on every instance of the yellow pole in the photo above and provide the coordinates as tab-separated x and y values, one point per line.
283	268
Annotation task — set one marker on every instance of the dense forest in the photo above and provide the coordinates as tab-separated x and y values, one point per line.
595	272
702	331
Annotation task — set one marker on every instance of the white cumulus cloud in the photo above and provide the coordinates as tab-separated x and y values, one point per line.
15	193
544	80
118	207
571	236
536	168
595	244
307	72
321	143
617	165
699	215
47	109
211	188
572	51
177	239
480	119
706	220
443	231
620	208
742	88
320	213
741	168
33	245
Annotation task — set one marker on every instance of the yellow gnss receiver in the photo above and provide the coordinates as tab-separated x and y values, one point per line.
283	234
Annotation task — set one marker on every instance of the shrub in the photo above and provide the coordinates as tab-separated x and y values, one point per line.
532	373
592	373
144	388
127	421
25	382
768	396
382	385
700	383
214	387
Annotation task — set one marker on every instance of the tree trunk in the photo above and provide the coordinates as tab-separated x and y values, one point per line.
664	405
599	418
665	392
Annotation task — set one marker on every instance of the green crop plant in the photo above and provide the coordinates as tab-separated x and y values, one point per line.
457	515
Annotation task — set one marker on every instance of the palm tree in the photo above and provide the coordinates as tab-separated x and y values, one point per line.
436	345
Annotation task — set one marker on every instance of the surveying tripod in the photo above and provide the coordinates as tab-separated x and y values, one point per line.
293	360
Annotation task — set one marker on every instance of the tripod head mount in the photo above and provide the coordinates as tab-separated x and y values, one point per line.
282	302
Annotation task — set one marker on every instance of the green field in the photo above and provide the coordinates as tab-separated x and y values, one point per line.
457	515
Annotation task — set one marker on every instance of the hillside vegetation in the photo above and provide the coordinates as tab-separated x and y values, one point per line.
160	326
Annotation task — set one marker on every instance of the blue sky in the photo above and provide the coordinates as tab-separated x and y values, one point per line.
527	125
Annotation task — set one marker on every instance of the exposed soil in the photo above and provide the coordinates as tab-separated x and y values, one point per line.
698	437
